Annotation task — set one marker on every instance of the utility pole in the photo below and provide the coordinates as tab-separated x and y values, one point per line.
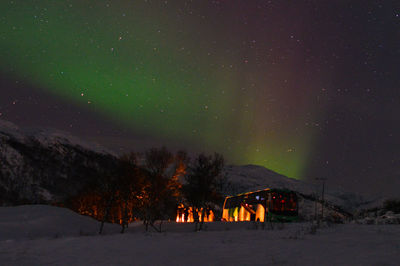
315	206
323	194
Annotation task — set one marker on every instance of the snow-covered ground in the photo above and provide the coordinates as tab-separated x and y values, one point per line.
44	235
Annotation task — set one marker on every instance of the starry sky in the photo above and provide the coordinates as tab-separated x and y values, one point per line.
306	88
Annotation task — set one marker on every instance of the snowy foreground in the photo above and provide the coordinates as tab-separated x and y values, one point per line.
44	235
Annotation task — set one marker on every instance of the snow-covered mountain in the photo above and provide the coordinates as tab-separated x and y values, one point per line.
43	166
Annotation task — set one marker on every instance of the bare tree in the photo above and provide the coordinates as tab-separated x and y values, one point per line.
162	187
204	184
107	186
130	185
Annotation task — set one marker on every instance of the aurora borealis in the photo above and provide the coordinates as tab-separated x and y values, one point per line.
254	80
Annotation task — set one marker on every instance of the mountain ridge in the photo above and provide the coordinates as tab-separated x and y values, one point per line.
43	166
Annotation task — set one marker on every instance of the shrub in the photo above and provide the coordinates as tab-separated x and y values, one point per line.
392	205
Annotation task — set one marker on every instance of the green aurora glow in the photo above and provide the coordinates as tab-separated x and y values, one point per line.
138	64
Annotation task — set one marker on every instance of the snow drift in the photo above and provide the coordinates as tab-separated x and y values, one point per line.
43	235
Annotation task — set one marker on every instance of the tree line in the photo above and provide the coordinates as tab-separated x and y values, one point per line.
150	186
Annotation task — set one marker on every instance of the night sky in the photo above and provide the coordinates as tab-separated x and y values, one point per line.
306	88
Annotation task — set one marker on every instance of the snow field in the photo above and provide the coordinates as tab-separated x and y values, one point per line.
44	235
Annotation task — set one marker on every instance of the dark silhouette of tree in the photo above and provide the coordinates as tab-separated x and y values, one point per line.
162	189
181	161
146	187
204	185
130	188
107	189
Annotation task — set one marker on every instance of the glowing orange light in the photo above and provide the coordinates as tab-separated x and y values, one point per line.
181	218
